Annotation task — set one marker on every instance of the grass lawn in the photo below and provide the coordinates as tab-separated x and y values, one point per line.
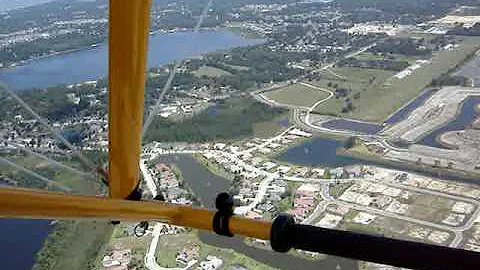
78	183
357	79
210	72
269	129
380	99
365	56
169	245
239	68
213	167
297	95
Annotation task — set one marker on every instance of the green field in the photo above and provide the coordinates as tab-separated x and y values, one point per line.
386	94
77	183
239	68
74	245
268	129
210	72
397	57
169	245
359	80
297	95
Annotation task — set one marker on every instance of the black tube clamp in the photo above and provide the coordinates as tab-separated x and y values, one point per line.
280	233
135	195
224	205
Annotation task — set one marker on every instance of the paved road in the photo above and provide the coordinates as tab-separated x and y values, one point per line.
267	142
150	258
321	207
262	191
148	178
310	110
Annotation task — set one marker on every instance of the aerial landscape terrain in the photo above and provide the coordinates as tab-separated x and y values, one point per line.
356	115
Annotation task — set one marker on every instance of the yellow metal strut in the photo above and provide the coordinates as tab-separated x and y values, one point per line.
128	40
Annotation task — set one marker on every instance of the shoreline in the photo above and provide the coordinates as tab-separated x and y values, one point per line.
104	43
378	161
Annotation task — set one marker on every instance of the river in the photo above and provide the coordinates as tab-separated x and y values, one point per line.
21	239
91	64
206	186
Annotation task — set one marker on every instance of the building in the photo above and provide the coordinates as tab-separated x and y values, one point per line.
212	263
117	259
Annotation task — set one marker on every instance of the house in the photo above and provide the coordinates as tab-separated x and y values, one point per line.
220	146
253	215
117	259
308	190
298	213
337	172
212	263
283	169
187	254
354	171
269	165
305	202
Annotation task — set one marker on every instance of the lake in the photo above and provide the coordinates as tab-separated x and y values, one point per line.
355	126
91	64
403	112
206	186
318	151
465	118
323	152
21	239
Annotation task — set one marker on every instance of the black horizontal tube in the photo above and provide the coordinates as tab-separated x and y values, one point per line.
378	249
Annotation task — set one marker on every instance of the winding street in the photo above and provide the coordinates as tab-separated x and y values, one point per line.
149	259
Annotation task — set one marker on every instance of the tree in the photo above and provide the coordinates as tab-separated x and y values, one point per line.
350	142
419	161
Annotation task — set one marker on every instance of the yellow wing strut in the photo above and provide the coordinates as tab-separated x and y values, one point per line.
27	203
128	39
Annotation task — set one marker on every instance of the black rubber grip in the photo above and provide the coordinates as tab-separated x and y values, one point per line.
220	222
379	249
